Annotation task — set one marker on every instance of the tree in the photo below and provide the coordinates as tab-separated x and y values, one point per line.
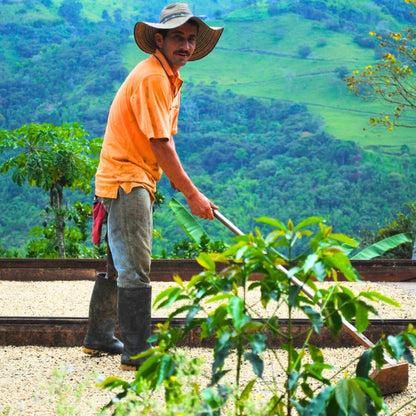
51	158
71	10
239	326
392	79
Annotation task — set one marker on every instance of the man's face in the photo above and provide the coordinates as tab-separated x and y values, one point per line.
178	45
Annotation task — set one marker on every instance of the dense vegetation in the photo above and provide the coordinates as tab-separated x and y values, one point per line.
253	151
273	158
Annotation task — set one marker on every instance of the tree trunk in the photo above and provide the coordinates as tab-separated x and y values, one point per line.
56	200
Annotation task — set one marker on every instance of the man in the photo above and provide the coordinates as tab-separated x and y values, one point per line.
138	145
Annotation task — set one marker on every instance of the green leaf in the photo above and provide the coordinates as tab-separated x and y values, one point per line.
346	305
332	318
292	380
319	270
379	248
411	338
318	405
257	342
191	309
315	318
187	221
364	364
166	367
308	222
361	317
357	398
408	356
342	396
316	354
339	261
378	296
177	279
206	261
368	386
220	297
245	394
236	310
149	369
112	382
252	326
221	350
378	354
256	362
272	222
397	345
315	370
167	297
294	291
218	317
342	238
306	388
310	261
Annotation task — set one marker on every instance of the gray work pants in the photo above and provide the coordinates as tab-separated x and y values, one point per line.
129	227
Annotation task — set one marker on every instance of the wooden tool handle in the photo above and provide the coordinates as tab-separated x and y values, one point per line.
348	327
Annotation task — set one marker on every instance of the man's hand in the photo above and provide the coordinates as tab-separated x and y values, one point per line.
201	206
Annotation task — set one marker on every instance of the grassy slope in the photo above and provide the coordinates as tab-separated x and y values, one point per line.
259	58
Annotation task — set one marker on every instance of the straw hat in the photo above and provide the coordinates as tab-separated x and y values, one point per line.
173	16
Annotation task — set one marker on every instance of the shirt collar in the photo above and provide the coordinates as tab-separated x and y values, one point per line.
174	77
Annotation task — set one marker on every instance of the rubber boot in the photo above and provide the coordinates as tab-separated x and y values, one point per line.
134	316
102	318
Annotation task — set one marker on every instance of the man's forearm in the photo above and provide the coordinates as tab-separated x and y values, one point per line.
171	165
169	162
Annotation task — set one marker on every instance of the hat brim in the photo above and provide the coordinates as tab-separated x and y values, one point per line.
144	35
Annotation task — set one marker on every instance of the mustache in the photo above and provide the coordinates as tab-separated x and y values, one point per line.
182	51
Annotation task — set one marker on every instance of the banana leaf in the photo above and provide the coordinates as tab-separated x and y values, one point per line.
187	221
379	248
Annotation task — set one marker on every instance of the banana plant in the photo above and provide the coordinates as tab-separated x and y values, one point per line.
192	227
195	231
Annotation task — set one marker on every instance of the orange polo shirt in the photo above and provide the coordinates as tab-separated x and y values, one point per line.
145	107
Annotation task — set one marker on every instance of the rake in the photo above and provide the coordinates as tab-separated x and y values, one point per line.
393	377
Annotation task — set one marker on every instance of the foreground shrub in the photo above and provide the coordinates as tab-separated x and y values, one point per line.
216	302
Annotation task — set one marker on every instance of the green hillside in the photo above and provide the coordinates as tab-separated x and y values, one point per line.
258	57
252	111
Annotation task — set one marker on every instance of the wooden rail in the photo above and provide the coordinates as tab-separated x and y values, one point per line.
70	332
163	270
50	331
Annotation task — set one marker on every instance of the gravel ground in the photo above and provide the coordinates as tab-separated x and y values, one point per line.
40	381
71	298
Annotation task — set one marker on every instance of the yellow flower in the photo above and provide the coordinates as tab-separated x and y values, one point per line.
173	378
390	57
372	33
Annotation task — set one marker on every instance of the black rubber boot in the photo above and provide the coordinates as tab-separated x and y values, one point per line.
102	319
134	316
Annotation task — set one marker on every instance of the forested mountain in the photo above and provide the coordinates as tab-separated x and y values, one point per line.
267	125
274	159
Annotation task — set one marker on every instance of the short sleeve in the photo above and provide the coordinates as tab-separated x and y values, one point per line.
152	107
